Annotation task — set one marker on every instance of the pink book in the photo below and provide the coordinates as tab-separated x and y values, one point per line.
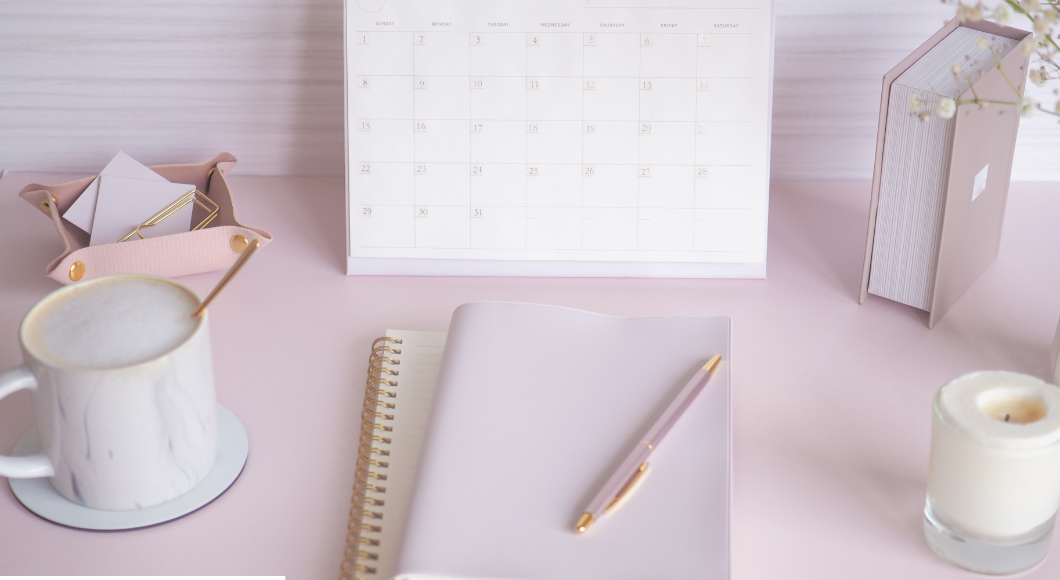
940	185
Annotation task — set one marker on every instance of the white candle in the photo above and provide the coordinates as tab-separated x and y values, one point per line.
995	455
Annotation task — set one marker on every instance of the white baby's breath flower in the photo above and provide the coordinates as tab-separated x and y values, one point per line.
956	68
969	13
1030	5
1041	25
1002	14
981	42
1037	78
1025	106
924	116
914	102
946	108
1027	45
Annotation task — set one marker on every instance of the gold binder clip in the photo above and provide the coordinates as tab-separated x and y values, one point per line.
194	196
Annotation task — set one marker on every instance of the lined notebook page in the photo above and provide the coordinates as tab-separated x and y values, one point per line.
417	368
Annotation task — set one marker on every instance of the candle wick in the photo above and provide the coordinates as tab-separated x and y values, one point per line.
1007	416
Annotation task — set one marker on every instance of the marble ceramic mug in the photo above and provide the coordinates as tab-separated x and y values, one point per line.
121	426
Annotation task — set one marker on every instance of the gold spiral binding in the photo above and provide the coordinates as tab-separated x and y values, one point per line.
360	534
381	392
367	425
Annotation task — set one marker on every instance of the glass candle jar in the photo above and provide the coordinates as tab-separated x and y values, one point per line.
994	480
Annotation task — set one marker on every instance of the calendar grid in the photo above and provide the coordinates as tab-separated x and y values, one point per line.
570	164
581	173
440	76
661	193
470	163
543	206
526	147
696	142
549	120
415	199
640	108
548	138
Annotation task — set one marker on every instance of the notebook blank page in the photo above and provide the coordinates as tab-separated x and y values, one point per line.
535	407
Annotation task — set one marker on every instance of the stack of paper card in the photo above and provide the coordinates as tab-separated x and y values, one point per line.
125	195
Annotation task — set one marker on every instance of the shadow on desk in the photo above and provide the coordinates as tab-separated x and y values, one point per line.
823	230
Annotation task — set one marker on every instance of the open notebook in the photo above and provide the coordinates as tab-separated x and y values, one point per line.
535	406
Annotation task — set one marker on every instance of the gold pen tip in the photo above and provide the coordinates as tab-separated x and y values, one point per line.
583	523
712	363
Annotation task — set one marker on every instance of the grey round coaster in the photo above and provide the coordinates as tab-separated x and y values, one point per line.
40	497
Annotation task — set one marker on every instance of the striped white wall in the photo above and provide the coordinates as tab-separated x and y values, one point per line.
175	81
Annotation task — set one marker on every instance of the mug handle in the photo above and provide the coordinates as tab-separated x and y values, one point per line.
37	465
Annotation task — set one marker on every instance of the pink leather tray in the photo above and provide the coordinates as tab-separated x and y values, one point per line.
212	248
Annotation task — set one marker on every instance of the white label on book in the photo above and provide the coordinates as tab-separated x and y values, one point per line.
980	182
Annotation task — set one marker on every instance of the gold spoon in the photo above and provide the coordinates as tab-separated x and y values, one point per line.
242	259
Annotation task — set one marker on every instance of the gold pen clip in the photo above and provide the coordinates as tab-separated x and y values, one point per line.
194	196
627	488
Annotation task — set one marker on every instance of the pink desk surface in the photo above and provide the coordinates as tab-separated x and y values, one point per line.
831	399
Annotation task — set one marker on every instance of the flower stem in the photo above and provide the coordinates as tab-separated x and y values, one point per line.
1053	113
1015	6
1000	70
979	101
1052	42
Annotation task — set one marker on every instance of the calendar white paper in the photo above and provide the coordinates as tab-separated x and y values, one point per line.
558	137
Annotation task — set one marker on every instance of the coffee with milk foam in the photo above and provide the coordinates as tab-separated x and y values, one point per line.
112	323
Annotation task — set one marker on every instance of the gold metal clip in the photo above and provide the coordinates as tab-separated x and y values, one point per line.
194	196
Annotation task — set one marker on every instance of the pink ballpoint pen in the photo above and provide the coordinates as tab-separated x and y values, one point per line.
627	474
